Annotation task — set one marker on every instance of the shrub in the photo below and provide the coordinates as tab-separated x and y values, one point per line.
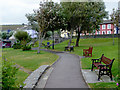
21	35
26	47
8	75
17	45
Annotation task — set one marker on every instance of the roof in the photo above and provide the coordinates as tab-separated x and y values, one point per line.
107	21
11	27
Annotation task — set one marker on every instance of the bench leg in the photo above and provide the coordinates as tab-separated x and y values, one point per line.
92	67
99	75
91	55
65	49
111	76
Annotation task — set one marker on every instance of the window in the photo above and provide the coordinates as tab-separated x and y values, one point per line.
98	32
103	32
108	32
103	26
99	27
109	26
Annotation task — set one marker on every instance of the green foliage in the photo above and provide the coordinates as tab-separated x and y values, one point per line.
5	35
17	45
21	35
26	47
8	74
115	17
23	38
88	15
83	16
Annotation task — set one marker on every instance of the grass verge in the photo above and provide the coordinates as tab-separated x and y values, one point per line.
29	60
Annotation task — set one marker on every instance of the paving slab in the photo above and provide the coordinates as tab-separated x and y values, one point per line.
89	76
104	78
92	76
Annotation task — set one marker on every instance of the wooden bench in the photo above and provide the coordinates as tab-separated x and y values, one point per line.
69	48
104	65
88	52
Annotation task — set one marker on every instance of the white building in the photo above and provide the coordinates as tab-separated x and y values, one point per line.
32	33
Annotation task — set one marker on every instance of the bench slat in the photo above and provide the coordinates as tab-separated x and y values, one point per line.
106	60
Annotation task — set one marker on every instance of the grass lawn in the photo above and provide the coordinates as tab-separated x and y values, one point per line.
30	60
100	46
103	85
45	42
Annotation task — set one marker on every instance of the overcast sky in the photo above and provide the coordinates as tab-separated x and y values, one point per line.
13	11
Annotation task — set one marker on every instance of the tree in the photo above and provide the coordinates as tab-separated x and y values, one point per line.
69	13
22	36
43	17
5	35
32	21
57	19
91	14
84	16
115	18
46	18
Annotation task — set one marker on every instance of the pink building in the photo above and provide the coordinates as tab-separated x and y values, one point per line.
106	27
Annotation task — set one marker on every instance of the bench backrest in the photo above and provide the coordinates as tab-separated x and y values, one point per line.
90	49
106	60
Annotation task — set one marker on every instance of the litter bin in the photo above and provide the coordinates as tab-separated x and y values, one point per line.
48	43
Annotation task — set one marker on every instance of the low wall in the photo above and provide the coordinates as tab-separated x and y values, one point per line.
99	36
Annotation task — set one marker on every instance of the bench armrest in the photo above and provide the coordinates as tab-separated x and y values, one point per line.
95	60
104	65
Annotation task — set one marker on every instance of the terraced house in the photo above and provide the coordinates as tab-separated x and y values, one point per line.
107	27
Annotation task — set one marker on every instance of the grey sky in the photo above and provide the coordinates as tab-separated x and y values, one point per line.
13	11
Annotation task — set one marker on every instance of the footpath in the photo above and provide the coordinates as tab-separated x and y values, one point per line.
66	72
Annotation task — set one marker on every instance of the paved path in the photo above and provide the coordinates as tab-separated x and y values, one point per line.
66	73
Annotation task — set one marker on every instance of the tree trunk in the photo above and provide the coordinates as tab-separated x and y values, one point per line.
39	43
78	37
53	40
59	35
71	33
